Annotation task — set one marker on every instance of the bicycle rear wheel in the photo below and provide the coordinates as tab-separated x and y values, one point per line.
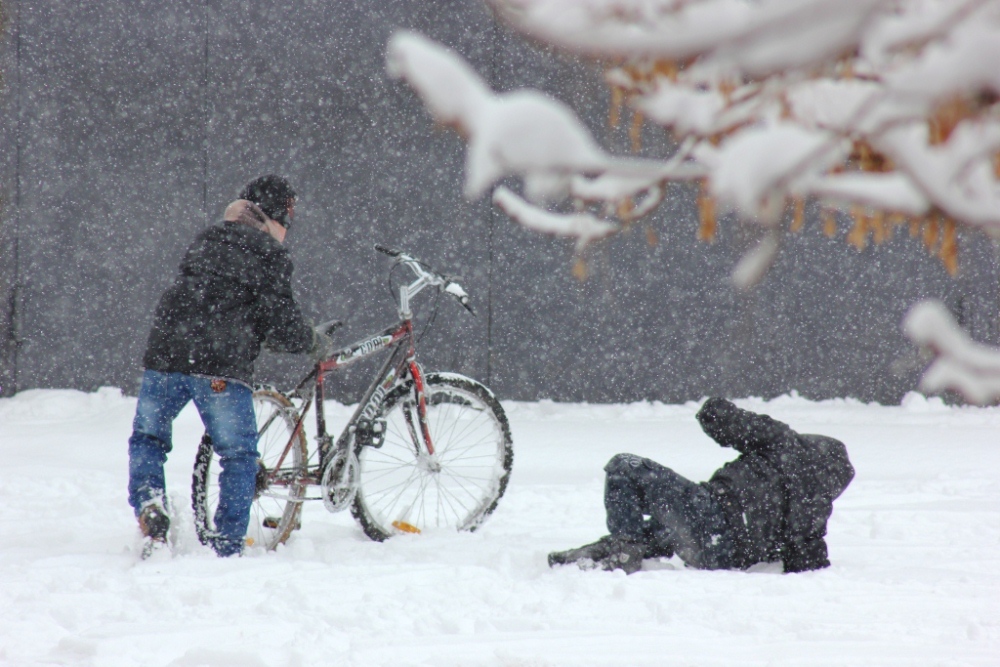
403	490
277	505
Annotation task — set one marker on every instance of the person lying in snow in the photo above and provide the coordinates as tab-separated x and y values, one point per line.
770	504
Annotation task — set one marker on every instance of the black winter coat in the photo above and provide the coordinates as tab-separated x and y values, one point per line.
780	491
233	293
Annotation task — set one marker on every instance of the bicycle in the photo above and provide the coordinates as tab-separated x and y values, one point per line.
421	452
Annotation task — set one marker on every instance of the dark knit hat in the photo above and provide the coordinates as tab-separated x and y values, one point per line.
271	193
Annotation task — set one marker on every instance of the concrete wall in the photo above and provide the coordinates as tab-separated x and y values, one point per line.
130	125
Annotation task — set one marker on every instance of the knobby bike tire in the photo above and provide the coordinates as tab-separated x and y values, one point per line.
277	506
400	491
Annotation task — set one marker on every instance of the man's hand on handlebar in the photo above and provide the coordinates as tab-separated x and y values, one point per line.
329	327
323	347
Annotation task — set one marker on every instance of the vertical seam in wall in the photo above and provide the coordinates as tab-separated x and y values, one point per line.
15	315
491	212
489	300
204	117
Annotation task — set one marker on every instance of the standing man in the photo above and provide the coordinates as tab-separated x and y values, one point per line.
772	503
232	294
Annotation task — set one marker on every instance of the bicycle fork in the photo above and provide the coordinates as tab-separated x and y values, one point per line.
421	404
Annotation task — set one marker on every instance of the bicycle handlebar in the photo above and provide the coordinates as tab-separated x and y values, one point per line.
425	276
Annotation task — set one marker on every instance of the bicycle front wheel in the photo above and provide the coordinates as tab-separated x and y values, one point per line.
402	489
277	505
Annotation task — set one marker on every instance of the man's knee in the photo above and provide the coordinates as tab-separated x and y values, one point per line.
624	464
142	445
240	448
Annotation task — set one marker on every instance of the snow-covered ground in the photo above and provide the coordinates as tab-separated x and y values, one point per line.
915	545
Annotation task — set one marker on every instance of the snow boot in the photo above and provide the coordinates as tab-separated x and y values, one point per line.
227	548
624	555
586	556
607	553
154	524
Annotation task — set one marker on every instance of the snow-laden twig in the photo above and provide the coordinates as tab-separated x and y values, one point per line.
584	227
957	176
759	37
761	164
755	263
524	133
960	363
889	192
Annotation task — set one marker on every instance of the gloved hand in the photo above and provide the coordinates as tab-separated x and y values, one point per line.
714	409
718	417
322	347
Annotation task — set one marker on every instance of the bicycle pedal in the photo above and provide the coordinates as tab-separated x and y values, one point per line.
370	432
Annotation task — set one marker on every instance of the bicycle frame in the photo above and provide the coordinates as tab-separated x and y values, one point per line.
398	367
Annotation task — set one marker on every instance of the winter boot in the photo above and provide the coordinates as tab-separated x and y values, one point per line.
154	522
624	555
607	553
586	556
226	548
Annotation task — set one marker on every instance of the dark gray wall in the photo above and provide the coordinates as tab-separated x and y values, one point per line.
130	125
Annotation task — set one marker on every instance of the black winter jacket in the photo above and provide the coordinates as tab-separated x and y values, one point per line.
780	491
233	293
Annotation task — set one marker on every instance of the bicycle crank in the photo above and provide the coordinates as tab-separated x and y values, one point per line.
340	481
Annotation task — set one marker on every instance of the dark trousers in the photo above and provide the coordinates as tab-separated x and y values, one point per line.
650	503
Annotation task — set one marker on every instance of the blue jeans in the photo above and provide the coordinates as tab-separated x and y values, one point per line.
227	412
685	518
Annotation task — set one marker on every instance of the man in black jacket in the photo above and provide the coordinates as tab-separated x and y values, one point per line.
772	503
233	293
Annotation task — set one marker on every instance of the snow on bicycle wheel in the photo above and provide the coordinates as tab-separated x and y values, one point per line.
403	489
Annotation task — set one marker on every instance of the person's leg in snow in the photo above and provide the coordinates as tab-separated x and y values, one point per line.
226	408
607	553
650	505
161	399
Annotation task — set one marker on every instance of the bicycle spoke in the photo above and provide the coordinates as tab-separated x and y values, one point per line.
455	447
405	484
378	474
384	454
462	486
443	496
468	423
389	513
457	453
381	493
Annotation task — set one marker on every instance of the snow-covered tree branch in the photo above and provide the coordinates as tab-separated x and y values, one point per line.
886	110
959	363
